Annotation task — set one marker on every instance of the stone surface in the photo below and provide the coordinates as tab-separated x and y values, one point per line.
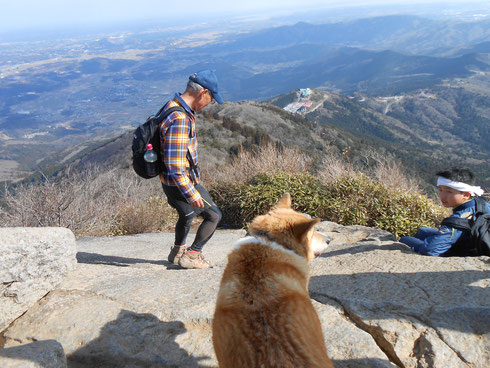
38	354
33	261
423	311
380	304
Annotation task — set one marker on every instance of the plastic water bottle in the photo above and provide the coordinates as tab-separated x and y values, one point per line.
150	158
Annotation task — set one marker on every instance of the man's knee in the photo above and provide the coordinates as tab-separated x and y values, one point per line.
214	215
425	232
220	215
184	220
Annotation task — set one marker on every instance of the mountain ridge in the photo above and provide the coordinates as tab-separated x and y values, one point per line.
332	125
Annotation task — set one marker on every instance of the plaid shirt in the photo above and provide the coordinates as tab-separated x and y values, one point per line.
177	135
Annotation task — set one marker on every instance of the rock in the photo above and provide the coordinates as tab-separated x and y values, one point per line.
380	305
422	311
33	261
38	354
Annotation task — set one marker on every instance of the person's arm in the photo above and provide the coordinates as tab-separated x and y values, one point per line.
175	156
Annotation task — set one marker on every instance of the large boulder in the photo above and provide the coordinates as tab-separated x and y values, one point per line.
421	311
380	305
33	261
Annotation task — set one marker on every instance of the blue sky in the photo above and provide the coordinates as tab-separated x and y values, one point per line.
25	14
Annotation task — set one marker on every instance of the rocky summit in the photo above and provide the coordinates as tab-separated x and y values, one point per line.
380	305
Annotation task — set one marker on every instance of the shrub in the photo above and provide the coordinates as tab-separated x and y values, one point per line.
136	216
267	158
359	200
350	200
240	203
118	202
89	203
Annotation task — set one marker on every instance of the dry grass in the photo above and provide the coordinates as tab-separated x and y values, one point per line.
145	216
89	203
388	171
263	160
333	168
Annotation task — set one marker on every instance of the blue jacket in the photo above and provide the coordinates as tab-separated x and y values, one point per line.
437	242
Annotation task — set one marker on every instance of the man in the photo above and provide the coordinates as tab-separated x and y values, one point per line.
181	179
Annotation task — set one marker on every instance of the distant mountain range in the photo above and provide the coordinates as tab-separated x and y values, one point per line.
350	70
408	85
402	33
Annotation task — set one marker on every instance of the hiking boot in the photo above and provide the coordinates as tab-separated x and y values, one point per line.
175	254
193	260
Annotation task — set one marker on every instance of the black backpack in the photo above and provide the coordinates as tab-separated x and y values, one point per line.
148	132
477	240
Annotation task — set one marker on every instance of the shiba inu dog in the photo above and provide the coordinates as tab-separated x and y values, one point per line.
264	316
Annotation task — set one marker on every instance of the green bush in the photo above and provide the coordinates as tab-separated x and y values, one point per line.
241	203
350	200
359	200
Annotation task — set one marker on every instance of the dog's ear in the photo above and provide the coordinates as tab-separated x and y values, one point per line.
301	229
284	202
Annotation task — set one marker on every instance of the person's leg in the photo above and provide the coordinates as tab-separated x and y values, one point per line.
425	232
212	216
184	222
193	257
412	242
417	241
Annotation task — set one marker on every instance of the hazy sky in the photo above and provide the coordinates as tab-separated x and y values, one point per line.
25	14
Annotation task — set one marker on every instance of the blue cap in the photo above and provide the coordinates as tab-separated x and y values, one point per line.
208	80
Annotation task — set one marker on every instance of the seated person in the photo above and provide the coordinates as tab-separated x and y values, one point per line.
456	187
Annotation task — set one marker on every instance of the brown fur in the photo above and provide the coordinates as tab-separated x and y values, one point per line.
264	316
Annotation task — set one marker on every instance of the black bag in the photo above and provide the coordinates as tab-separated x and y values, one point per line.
149	133
477	240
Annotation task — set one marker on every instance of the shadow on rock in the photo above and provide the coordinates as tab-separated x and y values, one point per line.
362	248
95	258
46	353
135	340
363	363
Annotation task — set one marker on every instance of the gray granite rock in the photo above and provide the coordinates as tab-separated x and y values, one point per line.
33	261
422	311
380	305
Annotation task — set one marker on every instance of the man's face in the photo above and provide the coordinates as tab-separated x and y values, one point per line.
205	97
452	198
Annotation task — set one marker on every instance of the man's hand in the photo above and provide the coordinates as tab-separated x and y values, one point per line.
198	203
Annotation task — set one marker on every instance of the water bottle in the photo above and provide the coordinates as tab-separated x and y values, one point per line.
151	163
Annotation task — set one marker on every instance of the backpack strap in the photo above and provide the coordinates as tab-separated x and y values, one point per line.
461	248
162	115
480	207
458	223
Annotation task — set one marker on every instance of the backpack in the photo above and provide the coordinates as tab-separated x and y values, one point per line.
477	240
148	132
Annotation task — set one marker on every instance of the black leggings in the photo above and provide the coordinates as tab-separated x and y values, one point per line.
210	213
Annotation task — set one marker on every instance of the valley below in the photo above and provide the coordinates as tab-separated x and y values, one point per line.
63	98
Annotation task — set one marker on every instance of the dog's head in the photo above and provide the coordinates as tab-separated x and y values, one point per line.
291	229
